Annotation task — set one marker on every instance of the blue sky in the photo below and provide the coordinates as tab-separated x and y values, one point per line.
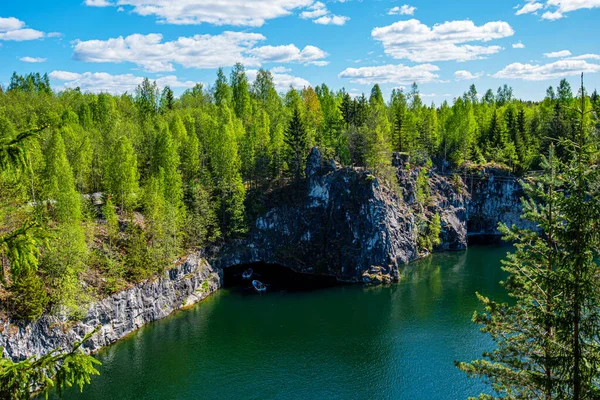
108	45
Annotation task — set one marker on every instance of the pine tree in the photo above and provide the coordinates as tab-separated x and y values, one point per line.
296	141
346	109
55	371
240	95
167	100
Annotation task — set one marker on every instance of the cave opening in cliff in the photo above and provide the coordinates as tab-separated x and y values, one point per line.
484	240
277	278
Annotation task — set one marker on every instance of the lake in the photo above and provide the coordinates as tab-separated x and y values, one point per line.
342	342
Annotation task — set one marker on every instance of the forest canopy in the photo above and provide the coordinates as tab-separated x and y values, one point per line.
110	189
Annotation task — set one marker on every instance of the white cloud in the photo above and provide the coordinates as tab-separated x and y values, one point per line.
10	24
54	34
518	45
33	59
21	35
558	54
554	70
282	80
463	75
215	12
199	51
529	7
13	29
404	10
565	6
443	42
552	16
288	53
332	20
397	74
315	11
319	13
280	70
98	3
586	57
104	82
557	8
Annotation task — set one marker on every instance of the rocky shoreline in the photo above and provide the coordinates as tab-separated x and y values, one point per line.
340	222
117	315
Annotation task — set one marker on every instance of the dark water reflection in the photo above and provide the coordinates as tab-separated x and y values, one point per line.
348	342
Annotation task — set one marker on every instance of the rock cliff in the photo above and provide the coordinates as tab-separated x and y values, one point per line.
117	315
342	222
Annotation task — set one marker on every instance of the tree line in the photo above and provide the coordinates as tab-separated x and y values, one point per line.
179	173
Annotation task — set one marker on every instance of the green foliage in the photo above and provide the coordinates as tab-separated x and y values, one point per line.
429	233
22	249
546	340
60	185
55	371
423	192
112	221
202	225
435	228
181	172
62	266
122	175
139	260
28	298
297	145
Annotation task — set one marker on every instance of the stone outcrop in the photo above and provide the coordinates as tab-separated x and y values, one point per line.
340	223
495	197
344	223
117	315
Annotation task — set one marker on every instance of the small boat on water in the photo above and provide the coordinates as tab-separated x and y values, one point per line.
247	274
259	286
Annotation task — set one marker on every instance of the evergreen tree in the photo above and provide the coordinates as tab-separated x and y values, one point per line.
166	164
166	99
296	141
55	371
240	95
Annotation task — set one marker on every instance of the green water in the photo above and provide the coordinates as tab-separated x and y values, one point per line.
348	342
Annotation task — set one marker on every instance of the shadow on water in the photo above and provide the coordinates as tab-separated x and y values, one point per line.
276	277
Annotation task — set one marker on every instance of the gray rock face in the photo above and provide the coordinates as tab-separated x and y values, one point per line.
340	224
345	224
117	315
495	198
